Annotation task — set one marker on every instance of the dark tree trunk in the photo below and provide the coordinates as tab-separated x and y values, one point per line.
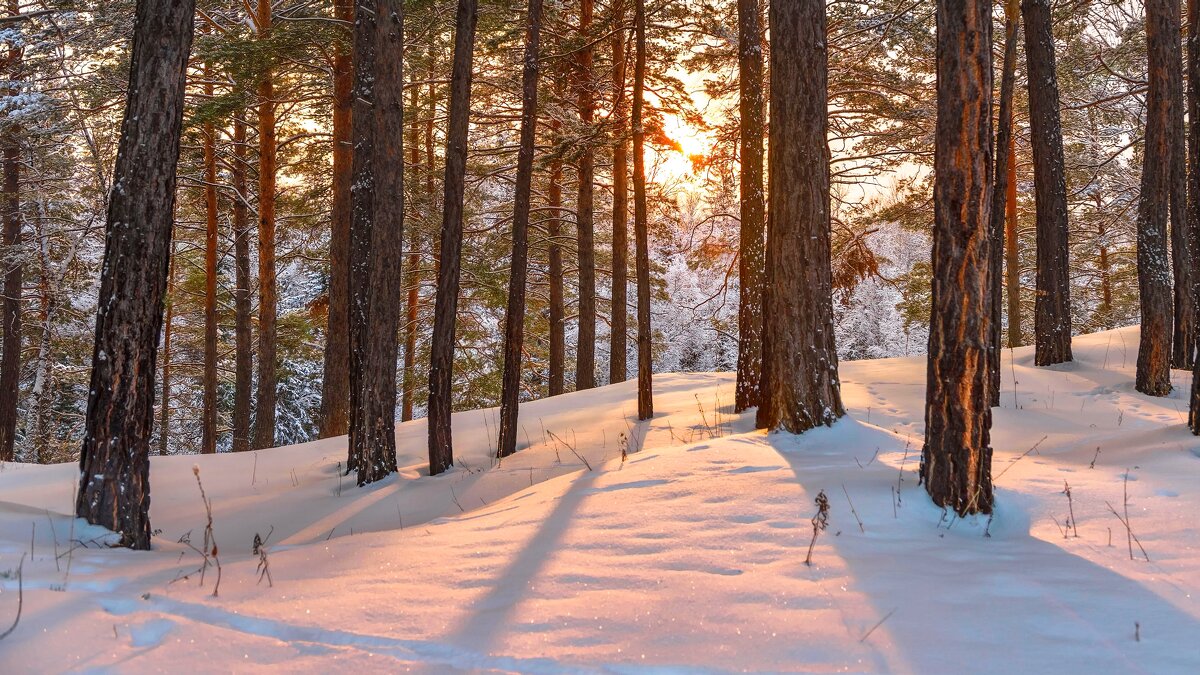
264	418
1052	304
164	410
376	235
10	264
1105	267
1012	258
619	334
514	317
798	314
1183	253
114	488
1153	264
243	365
411	280
208	416
641	227
1193	144
1004	137
956	460
558	313
751	260
585	351
441	368
335	387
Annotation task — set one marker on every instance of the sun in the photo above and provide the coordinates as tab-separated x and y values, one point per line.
681	162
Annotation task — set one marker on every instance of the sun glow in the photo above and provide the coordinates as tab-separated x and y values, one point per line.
681	153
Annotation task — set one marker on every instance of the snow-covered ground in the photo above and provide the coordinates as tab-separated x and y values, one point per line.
687	555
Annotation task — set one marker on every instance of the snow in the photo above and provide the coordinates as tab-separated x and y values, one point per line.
689	555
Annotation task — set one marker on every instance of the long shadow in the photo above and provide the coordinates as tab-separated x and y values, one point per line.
492	611
963	602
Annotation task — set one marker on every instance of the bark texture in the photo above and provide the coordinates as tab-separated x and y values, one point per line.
264	417
641	229
1183	251
1193	144
11	266
1004	139
752	246
114	488
803	390
208	416
619	333
243	363
585	350
956	460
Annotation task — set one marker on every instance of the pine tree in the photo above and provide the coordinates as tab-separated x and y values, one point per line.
264	417
1001	177
751	251
619	330
208	421
243	337
585	354
11	266
114	488
641	229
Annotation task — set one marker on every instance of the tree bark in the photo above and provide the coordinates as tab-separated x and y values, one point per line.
956	460
1004	139
1193	142
1154	272
1183	252
514	317
441	370
1052	304
243	366
752	253
208	416
558	313
411	280
114	489
1012	258
641	229
264	418
585	351
376	234
335	387
164	410
619	329
798	310
10	263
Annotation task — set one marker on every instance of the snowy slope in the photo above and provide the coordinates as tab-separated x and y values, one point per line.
687	555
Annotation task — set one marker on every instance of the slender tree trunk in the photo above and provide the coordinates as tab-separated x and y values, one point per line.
208	416
585	353
641	228
114	489
411	279
957	458
1052	305
798	315
1004	137
619	334
38	421
558	313
243	366
164	409
751	260
1105	266
10	263
1183	252
376	234
514	317
441	370
1193	138
1012	258
264	418
1154	273
335	387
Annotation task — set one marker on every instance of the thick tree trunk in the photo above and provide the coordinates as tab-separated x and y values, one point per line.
1052	304
243	365
1193	142
798	310
641	227
114	489
335	387
264	417
441	369
956	460
376	234
618	352
514	317
1004	138
10	264
208	416
558	312
1154	269
1012	258
1183	251
751	260
585	350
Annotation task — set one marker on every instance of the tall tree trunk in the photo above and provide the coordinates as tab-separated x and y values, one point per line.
1012	258
1183	252
1193	142
441	369
1004	137
1052	304
37	425
1105	266
585	351
376	234
10	261
751	260
335	387
798	313
243	365
619	334
114	489
208	416
641	228
264	418
558	313
164	409
1154	273
514	317
956	460
411	279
